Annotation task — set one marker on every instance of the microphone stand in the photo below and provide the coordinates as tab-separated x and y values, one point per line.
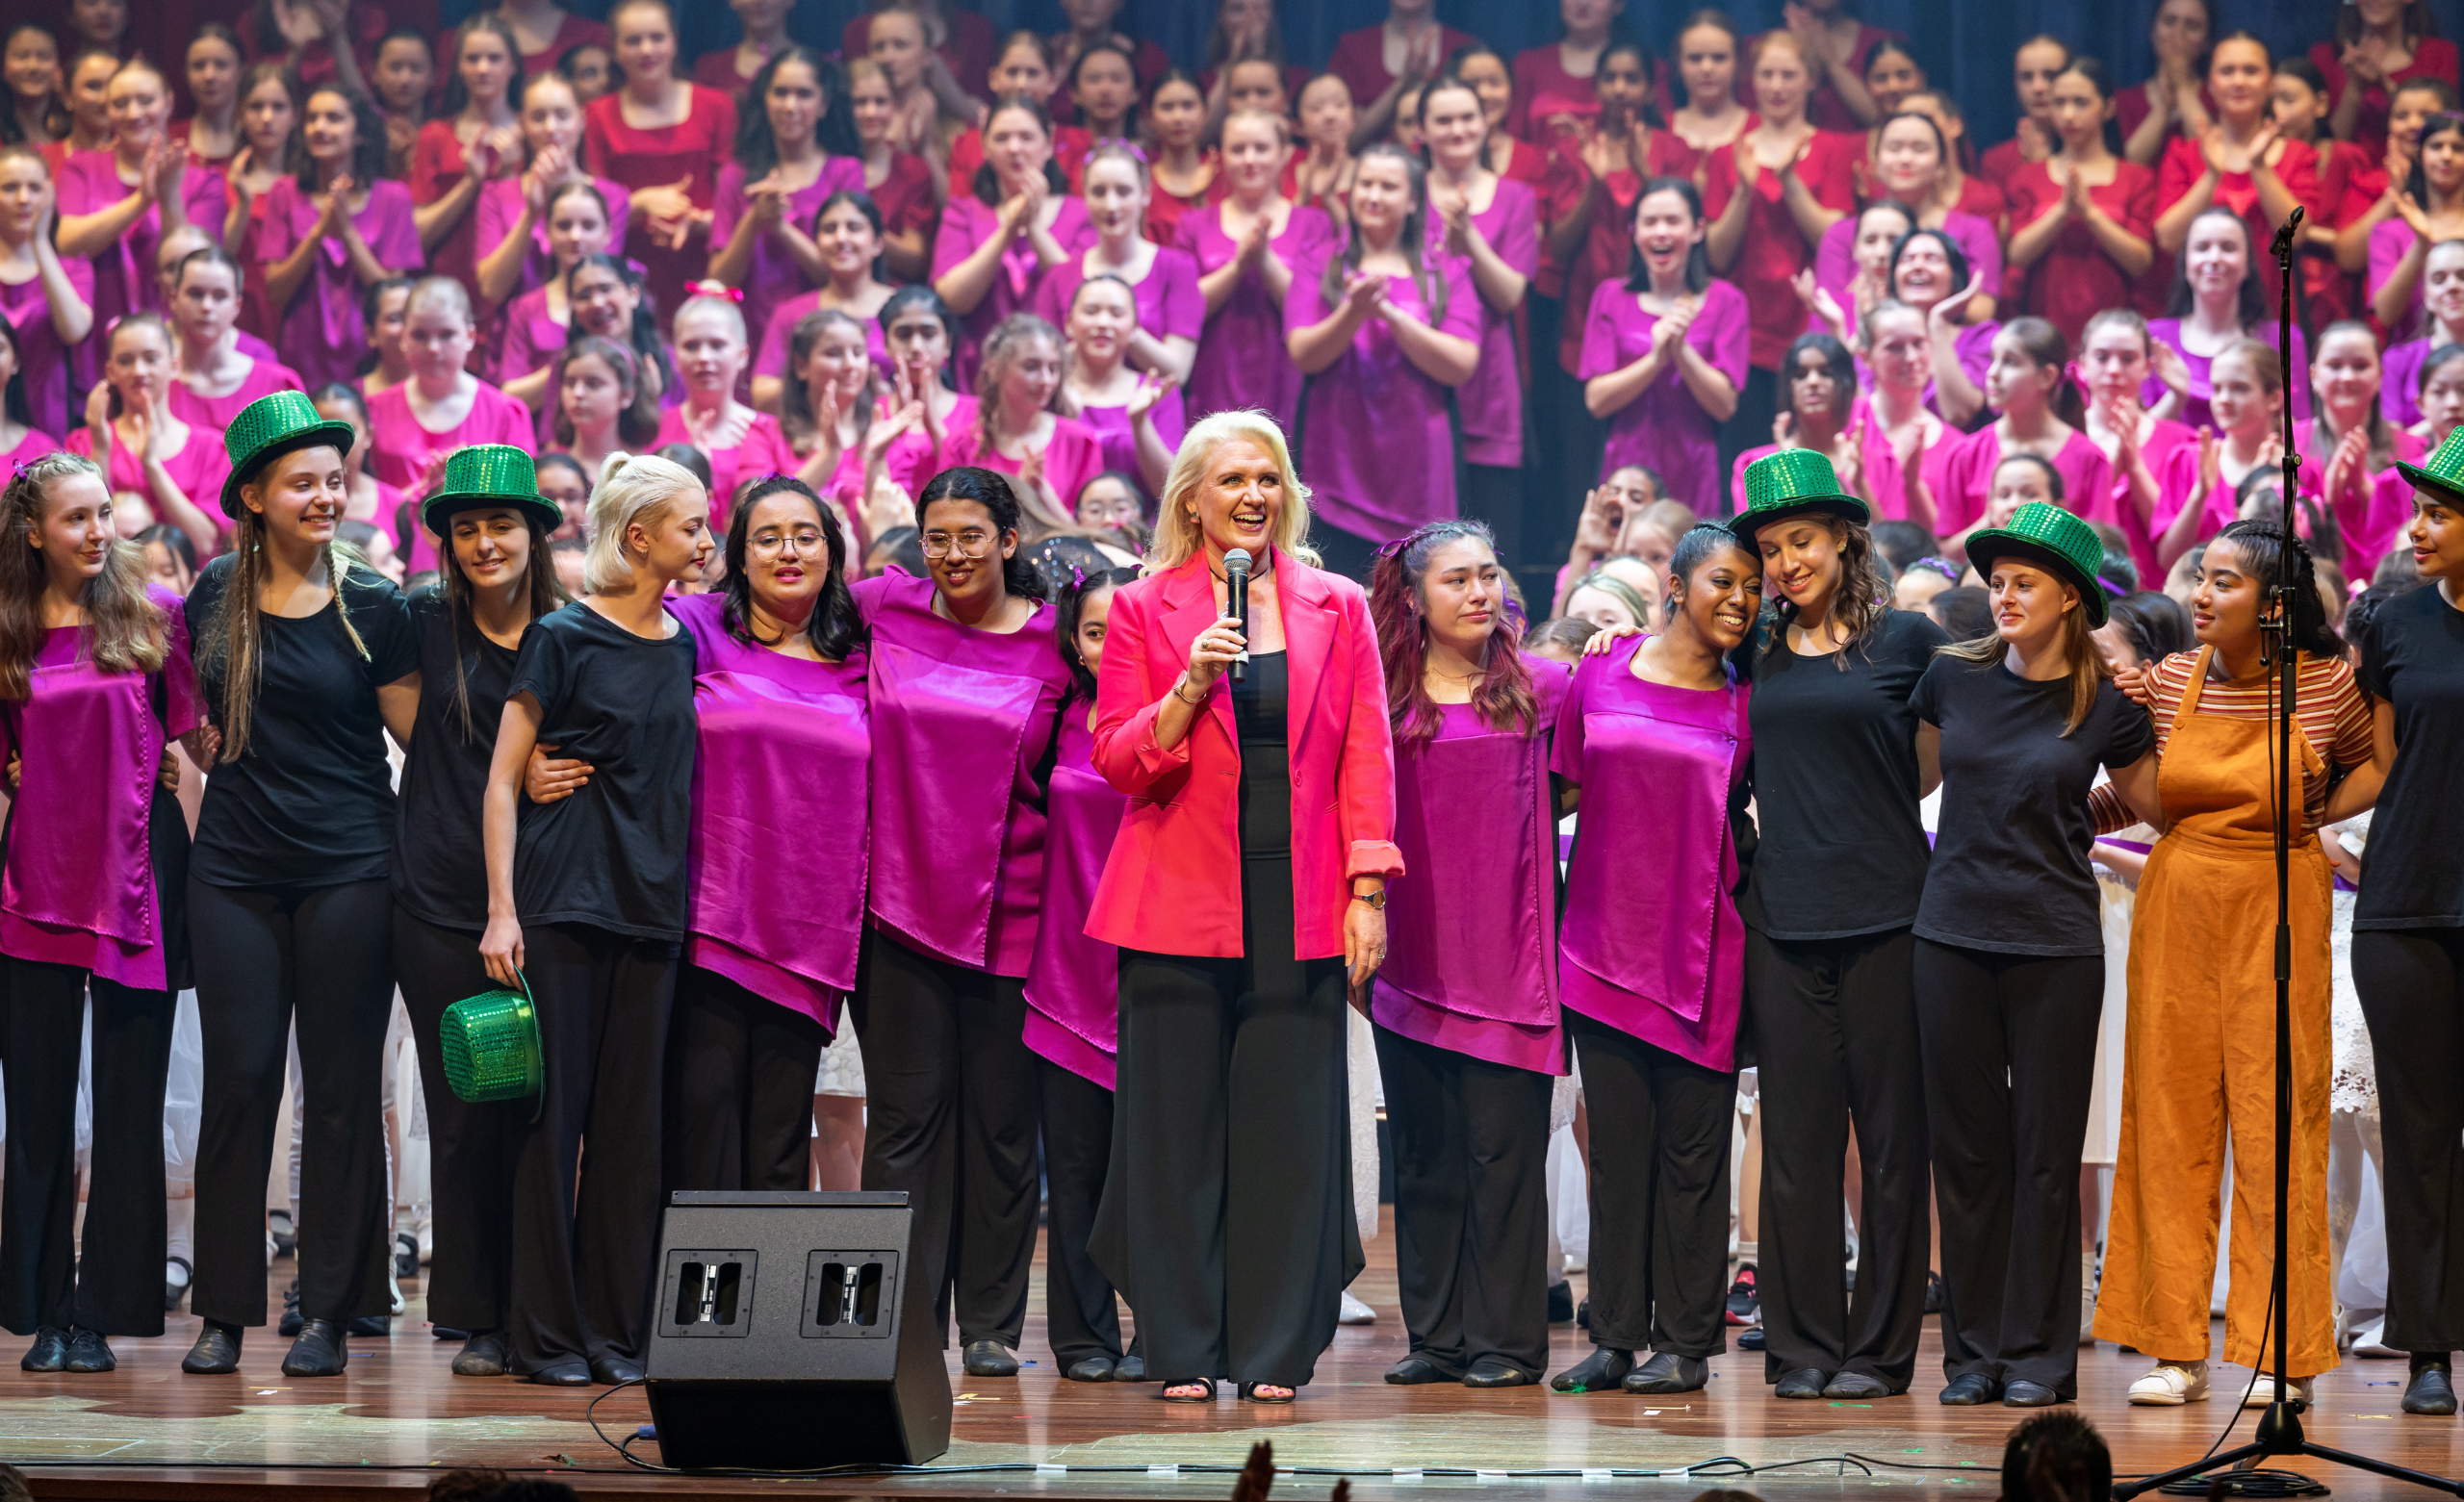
2279	1430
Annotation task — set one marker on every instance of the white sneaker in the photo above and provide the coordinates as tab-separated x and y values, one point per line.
2263	1391
1355	1312
2172	1385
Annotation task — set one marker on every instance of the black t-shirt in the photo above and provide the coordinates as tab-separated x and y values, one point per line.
1841	847
611	855
439	870
2009	870
2412	870
311	800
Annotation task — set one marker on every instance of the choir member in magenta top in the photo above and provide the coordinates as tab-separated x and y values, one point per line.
1912	168
1665	350
1929	272
794	150
2198	489
2418	207
739	441
366	498
782	743
1384	328
2217	301
1073	1004
20	441
1819	410
95	674
2240	165
841	423
1466	1005
155	463
847	231
1906	442
2116	353
323	244
921	332
606	297
46	298
1775	194
497	582
540	321
966	682
218	378
588	903
1171	307
212	136
1017	430
2442	323
478	139
1247	882
1247	249
2352	455
998	244
1840	309
2037	411
514	239
85	84
1653	739
115	204
900	183
599	409
1554	99
443	406
2083	219
1492	223
1137	419
665	140
2379	46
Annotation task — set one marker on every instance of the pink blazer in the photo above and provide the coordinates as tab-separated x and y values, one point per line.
1172	883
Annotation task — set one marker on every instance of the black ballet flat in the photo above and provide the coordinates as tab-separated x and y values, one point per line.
216	1353
1416	1370
50	1352
1973	1390
615	1371
574	1373
370	1327
2432	1391
1130	1369
1496	1371
1751	1340
989	1359
2024	1393
1600	1371
88	1353
482	1355
1806	1382
323	1350
1856	1386
1667	1373
1093	1368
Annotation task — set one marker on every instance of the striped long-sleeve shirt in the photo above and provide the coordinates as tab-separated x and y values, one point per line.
2332	710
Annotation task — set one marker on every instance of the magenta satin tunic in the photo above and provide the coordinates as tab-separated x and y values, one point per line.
1472	923
1651	944
963	720
781	759
78	888
1074	986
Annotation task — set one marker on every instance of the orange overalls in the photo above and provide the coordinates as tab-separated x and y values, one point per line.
2201	1059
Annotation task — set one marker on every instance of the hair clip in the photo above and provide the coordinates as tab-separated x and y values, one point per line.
1077	577
2109	586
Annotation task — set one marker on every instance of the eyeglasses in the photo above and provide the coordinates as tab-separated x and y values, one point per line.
803	539
969	544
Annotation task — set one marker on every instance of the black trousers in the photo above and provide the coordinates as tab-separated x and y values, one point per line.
951	1115
2411	982
1834	1030
116	1288
1660	1193
319	959
1227	1217
1470	1146
2010	1065
586	1175
1080	1311
470	1147
740	1072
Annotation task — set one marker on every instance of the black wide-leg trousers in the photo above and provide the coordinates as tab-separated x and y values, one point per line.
471	1146
2411	982
741	1076
1081	1313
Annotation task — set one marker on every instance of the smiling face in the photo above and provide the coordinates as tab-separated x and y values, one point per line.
2407	113
1722	597
869	101
1803	557
1486	73
1239	499
1102	318
963	552
794	102
604	302
592	394
1382	194
2028	602
2346	373
2225	603
786	554
2443	155
550	113
2436	535
90	95
709	351
1890	77
492	548
300	496
331	131
23	186
2238	72
838	361
31	64
1116	194
1107	501
1878	229
848	242
1909	158
1462	594
1923	276
674	543
485	64
1095	624
2217	257
404	72
1706	59
2016	482
1454	126
2243	405
73	531
576	227
213	73
141	107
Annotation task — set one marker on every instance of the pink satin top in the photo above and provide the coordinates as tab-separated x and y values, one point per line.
1073	984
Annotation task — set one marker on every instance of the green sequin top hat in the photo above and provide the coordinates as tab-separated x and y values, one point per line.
2051	538
2441	472
1791	483
270	428
486	475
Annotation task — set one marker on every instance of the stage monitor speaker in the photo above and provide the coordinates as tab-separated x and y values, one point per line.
782	1340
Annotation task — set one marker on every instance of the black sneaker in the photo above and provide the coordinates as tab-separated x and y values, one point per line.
1745	1305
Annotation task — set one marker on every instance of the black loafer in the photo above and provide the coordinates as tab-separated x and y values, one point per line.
989	1359
1599	1372
1496	1371
321	1350
1751	1340
574	1373
1666	1372
88	1353
2024	1393
1970	1391
1856	1386
2432	1391
50	1352
216	1353
449	1333
1416	1370
370	1327
1130	1369
1094	1368
482	1355
614	1372
1806	1382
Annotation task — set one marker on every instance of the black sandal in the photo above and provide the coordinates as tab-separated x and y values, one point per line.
1208	1396
1250	1392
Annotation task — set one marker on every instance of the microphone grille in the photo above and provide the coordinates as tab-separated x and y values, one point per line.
1237	558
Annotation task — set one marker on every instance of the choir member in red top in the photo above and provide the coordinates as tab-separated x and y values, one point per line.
2116	354
900	182
405	74
2034	67
1772	197
1484	70
2240	162
1710	52
665	140
1553	98
794	150
477	139
928	107
1378	62
211	135
730	69
2298	102
2083	219
1321	170
1090	25
2379	46
117	206
37	106
1023	68
2173	101
301	36
1836	45
544	31
961	40
1587	195
1245	30
1186	173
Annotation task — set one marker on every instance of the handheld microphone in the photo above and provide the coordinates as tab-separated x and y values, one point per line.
1236	590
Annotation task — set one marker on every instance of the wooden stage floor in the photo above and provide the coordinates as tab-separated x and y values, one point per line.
148	1432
